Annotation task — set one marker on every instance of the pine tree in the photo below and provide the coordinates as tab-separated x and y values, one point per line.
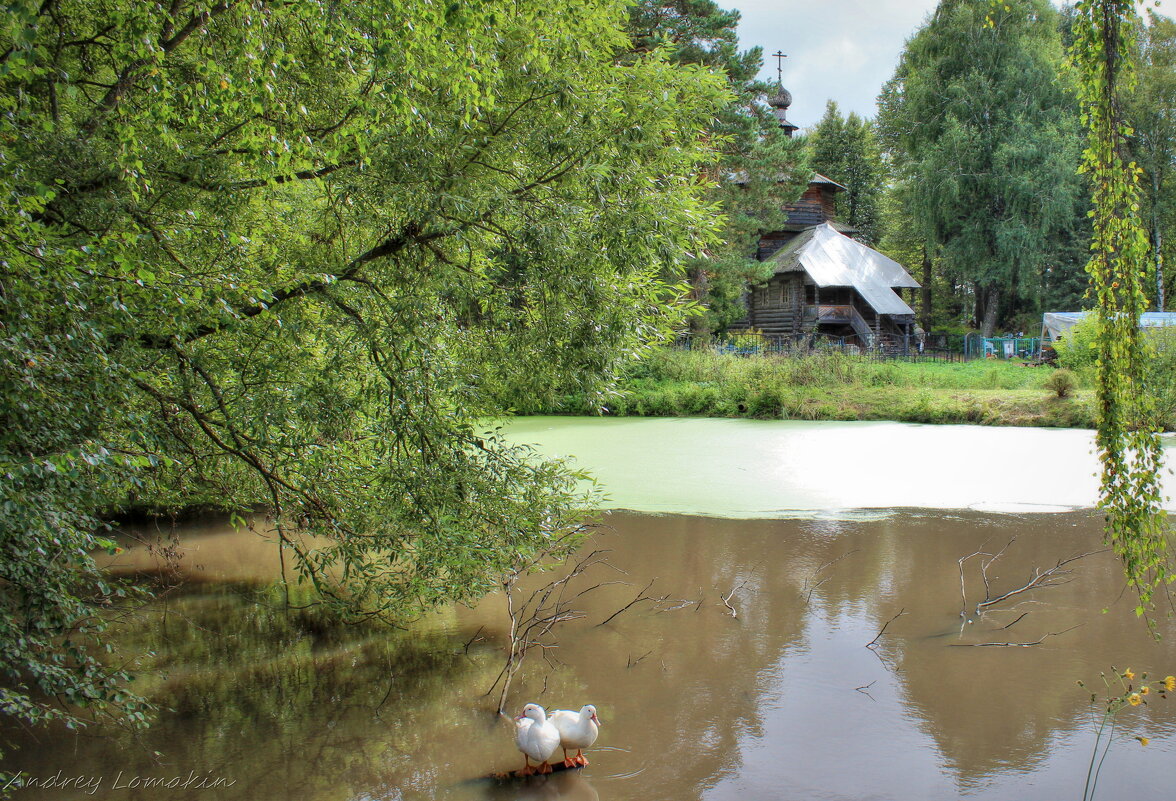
846	150
760	170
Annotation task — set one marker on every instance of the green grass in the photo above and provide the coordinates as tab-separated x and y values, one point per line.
835	368
836	386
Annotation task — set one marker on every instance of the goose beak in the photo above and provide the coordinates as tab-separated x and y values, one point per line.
595	719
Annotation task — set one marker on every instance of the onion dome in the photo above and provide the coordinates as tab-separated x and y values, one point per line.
780	103
782	99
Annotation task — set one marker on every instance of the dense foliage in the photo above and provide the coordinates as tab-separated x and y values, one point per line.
294	255
1128	440
723	380
1151	113
977	121
845	148
760	168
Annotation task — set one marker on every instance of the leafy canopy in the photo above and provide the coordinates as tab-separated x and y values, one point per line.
976	118
760	169
846	150
1151	112
295	254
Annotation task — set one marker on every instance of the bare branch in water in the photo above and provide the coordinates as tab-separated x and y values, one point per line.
810	590
477	636
1015	622
1051	577
1040	578
1012	644
535	617
882	631
641	596
631	662
727	603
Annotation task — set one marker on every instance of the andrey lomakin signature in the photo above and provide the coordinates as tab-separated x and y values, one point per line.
92	784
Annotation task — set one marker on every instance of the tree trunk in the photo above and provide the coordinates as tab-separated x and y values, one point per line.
1157	241
699	292
977	311
991	308
925	292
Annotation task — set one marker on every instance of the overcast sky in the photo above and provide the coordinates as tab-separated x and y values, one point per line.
842	50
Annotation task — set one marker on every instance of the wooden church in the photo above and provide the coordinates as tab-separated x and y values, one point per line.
824	281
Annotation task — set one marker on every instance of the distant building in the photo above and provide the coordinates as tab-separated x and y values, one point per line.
1057	325
825	282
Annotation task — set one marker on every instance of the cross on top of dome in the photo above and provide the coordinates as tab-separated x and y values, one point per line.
783	98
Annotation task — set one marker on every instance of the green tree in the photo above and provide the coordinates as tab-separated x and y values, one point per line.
695	32
760	168
297	255
904	242
751	190
1063	280
846	150
977	119
1151	112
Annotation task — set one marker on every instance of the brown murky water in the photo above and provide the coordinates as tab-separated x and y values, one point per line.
746	675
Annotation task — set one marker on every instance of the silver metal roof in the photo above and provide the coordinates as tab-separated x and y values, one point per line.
833	259
1058	324
824	179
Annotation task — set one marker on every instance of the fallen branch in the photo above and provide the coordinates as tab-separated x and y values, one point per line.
726	599
472	640
727	603
631	662
985	565
1015	622
983	572
1051	577
533	619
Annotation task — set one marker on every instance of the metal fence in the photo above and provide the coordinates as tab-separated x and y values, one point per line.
1010	347
888	347
934	348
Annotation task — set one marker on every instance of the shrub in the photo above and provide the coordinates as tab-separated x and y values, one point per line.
1076	349
1062	382
883	375
1162	376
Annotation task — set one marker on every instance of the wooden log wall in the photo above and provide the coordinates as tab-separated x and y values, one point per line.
770	243
776	308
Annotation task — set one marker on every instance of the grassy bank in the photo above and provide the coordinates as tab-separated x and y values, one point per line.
836	386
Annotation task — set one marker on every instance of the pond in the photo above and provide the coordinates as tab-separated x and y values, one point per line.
738	669
775	468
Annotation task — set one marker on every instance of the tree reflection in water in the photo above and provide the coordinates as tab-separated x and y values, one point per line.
695	702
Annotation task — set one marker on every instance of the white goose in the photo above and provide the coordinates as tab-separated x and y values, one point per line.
536	737
576	730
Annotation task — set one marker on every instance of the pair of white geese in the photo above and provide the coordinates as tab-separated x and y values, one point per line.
538	734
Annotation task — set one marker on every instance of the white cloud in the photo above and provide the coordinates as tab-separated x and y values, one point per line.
842	50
